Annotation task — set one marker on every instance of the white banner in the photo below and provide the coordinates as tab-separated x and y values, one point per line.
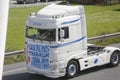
39	55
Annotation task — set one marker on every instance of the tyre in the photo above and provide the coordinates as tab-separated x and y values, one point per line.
115	59
72	69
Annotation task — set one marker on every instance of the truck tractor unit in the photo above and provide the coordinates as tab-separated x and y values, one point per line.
56	43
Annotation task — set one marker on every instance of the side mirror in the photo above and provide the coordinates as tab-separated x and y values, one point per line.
62	33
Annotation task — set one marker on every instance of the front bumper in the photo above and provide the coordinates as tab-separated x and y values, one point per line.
53	72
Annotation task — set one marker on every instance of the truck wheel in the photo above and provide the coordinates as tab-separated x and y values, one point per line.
72	69
115	59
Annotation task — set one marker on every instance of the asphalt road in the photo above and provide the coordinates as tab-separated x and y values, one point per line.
13	4
19	72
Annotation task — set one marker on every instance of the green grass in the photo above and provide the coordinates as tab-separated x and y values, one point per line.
16	27
100	20
106	41
14	59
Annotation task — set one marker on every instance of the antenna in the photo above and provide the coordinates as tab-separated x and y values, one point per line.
68	4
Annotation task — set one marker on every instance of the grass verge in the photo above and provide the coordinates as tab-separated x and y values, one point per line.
106	41
16	27
14	59
102	19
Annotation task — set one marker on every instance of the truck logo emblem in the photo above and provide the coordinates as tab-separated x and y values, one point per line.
96	61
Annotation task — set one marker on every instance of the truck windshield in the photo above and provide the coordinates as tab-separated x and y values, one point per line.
41	34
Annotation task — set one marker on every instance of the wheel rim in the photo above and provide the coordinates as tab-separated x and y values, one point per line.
72	69
115	58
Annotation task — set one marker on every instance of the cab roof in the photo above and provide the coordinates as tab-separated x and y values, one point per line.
59	11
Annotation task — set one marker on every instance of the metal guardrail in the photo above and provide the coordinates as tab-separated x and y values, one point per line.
104	36
89	39
14	53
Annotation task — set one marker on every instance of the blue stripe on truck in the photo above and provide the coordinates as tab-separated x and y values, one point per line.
72	21
65	44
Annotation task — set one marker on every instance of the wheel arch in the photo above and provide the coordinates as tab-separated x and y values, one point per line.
114	61
74	60
118	51
73	63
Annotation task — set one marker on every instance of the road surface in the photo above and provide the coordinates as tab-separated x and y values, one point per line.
19	72
13	4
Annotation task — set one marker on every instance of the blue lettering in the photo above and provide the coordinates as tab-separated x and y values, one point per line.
45	60
37	24
35	62
46	66
40	55
40	48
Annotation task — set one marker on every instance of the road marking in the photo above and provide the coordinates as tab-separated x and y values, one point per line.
13	70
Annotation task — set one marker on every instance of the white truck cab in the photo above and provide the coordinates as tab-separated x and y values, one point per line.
56	43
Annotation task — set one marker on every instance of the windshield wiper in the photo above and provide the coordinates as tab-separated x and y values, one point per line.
44	35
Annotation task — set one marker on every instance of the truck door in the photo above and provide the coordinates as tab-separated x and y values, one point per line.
63	47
